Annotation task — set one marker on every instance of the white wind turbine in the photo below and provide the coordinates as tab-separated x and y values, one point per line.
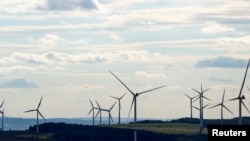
93	112
109	110
2	112
100	111
37	116
201	96
240	98
119	108
222	106
191	104
134	101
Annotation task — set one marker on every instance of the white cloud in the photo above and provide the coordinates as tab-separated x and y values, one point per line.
214	28
50	58
51	5
50	39
71	5
149	74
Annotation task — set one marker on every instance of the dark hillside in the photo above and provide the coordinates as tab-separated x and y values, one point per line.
76	132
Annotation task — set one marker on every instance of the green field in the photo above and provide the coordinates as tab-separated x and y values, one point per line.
166	128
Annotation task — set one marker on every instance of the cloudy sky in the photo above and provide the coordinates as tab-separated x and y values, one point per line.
62	50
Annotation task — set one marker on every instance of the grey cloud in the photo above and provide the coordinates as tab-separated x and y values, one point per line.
222	62
219	79
18	83
69	5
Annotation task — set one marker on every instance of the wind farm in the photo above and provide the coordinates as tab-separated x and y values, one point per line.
157	51
203	122
136	125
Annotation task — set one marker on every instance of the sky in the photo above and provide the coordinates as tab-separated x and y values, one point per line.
64	50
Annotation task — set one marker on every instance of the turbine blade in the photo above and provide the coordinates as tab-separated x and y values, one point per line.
123	95
30	110
245	106
91	103
131	106
207	98
2	103
233	99
122	83
205	106
196	91
98	105
41	115
214	106
223	96
115	97
151	90
227	109
187	95
112	106
98	113
90	111
244	79
39	102
205	90
111	117
196	98
195	107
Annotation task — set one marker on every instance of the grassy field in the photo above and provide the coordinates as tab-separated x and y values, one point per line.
23	136
166	128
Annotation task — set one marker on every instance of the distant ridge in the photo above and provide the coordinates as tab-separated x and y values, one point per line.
18	123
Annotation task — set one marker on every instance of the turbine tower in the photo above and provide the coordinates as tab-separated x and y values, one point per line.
201	96
240	98
135	95
191	104
37	116
119	108
2	112
222	106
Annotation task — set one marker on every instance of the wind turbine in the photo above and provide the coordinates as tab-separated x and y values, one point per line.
37	116
222	106
191	104
240	98
201	96
119	108
100	111
135	95
2	112
109	110
93	112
